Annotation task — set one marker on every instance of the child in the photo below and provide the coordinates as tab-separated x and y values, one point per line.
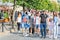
51	25
25	25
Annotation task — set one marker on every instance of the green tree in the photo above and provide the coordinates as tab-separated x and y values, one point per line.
55	6
5	0
8	0
59	8
37	4
6	15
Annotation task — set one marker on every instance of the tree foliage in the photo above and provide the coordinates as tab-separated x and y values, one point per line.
59	8
38	4
7	0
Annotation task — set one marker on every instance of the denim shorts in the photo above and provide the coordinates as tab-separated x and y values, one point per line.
37	26
25	25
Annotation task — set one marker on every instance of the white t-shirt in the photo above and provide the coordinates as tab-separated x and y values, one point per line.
19	19
29	13
37	20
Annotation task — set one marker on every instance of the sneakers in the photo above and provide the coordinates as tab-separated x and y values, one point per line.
50	37
55	37
41	36
25	34
44	37
38	35
19	31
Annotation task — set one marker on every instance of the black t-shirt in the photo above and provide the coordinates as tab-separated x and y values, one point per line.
43	18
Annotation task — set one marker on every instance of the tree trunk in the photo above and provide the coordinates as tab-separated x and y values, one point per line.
12	14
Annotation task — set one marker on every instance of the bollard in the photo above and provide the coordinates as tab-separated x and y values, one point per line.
2	27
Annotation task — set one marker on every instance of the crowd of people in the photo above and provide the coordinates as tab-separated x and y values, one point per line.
36	22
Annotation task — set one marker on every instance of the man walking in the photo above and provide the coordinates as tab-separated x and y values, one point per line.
43	24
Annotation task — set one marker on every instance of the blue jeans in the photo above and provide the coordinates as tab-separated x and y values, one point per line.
43	29
19	26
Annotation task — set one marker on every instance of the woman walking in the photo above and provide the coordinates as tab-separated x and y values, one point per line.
19	18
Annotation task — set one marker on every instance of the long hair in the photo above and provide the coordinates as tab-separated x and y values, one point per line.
19	13
54	13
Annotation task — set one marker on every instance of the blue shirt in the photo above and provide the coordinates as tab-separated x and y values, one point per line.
55	19
23	15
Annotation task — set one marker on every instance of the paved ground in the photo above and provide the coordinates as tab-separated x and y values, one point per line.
6	35
18	36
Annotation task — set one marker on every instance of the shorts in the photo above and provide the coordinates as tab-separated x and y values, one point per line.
25	25
50	28
37	26
22	25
